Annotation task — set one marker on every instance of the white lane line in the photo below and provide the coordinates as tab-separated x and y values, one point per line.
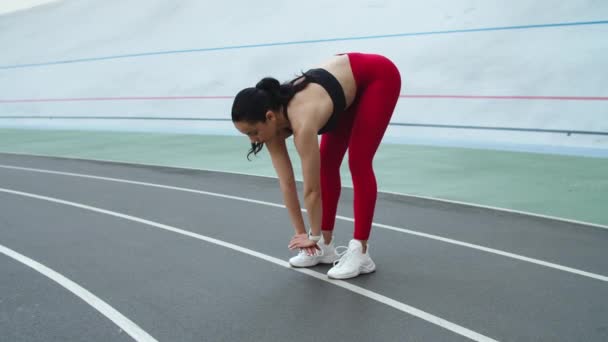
436	199
120	180
512	211
104	308
490	250
344	218
364	292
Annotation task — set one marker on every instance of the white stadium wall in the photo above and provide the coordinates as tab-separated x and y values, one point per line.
492	74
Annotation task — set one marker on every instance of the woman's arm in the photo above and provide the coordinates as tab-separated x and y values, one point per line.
282	165
307	145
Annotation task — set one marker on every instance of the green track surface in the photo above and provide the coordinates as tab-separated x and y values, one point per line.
568	187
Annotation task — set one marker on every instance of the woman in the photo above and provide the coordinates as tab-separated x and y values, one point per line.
348	100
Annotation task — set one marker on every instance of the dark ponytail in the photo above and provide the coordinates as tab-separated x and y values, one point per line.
251	104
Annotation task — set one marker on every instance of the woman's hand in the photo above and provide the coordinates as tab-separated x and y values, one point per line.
301	241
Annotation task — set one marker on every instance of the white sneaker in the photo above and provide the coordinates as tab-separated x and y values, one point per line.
352	262
326	255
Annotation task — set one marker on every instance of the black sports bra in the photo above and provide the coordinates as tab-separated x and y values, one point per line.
333	88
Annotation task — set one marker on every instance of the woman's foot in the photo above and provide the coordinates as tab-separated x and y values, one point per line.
352	262
326	255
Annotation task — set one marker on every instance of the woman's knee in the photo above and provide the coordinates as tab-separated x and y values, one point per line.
330	163
360	164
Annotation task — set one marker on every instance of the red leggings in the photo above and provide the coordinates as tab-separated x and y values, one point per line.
360	129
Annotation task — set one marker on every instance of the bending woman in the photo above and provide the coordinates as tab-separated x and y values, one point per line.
349	100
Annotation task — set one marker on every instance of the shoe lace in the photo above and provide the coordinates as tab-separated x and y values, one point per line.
343	255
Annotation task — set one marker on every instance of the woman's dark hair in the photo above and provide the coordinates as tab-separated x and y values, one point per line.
251	104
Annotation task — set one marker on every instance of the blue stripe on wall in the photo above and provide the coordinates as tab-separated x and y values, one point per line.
396	35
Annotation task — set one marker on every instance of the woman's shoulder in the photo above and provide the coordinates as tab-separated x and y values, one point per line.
306	106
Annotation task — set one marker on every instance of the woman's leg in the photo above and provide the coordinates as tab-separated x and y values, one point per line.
333	148
376	105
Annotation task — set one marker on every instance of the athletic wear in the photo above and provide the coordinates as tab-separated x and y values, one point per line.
326	255
352	262
359	129
332	86
335	91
